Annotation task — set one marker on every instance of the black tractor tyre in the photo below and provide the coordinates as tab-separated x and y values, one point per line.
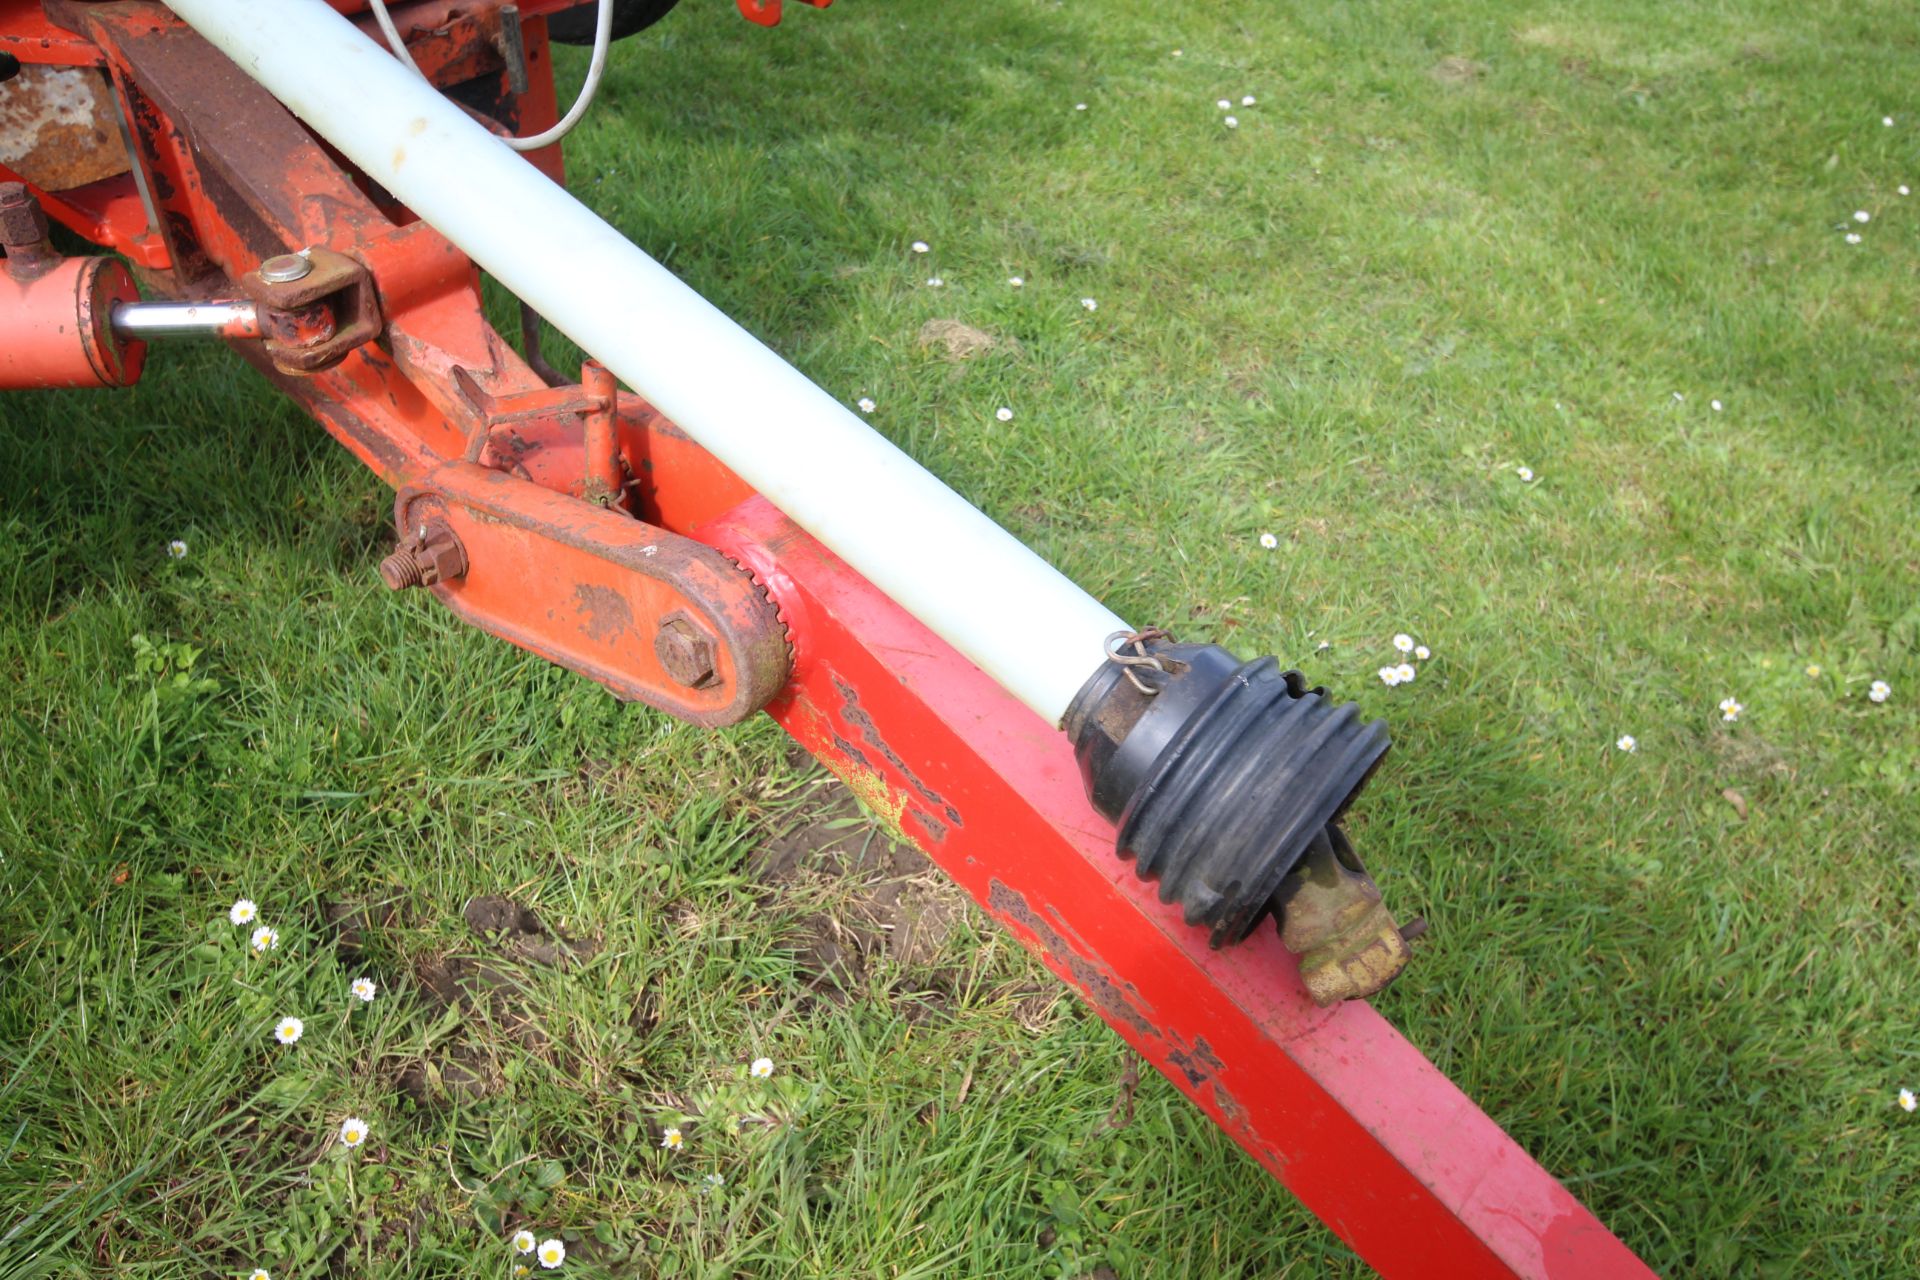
630	17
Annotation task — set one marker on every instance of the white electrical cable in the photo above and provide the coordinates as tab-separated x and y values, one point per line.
596	68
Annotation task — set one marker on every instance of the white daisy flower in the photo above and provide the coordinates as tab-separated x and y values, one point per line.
1403	642
176	550
1223	104
1406	672
1268	541
353	1131
1902	189
259	1273
363	987
1079	106
1813	671
1247	101
934	282
1089	304
552	1254
1421	652
1003	413
1886	121
1879	691
1853	237
866	404
1389	676
1627	742
523	1241
1861	215
921	246
1715	405
1525	474
761	1068
1232	122
1179	53
1730	709
1907	1101
671	1140
288	1030
1015	281
265	939
243	911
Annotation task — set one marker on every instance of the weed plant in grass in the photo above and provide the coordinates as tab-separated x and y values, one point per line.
1606	245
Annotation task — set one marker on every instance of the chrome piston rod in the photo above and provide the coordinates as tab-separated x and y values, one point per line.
143	320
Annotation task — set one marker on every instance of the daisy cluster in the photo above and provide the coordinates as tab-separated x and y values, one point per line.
1013	282
1403	672
552	1252
1409	652
288	1029
1731	708
264	939
1230	120
1861	217
672	1139
866	404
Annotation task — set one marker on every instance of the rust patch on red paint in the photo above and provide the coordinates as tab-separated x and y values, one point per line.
852	752
1234	1114
936	830
856	716
58	127
1118	1001
1184	1061
1199	1066
604	613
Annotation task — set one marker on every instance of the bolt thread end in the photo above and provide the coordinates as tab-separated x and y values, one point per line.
401	570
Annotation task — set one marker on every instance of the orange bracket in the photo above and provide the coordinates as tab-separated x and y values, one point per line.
652	615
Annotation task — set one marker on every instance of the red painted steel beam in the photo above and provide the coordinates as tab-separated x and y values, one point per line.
1332	1102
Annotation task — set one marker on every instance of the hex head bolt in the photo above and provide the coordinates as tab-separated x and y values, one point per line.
21	221
686	651
434	555
23	232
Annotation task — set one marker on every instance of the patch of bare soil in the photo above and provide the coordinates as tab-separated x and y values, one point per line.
1458	70
957	341
488	983
875	899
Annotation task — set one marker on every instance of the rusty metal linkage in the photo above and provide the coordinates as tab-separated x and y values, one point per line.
311	316
655	616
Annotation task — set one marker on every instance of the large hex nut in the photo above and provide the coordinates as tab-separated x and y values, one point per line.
686	650
434	555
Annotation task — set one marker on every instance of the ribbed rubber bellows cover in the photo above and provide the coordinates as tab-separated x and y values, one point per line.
1222	778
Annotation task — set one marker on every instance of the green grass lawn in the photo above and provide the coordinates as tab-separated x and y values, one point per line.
1606	243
